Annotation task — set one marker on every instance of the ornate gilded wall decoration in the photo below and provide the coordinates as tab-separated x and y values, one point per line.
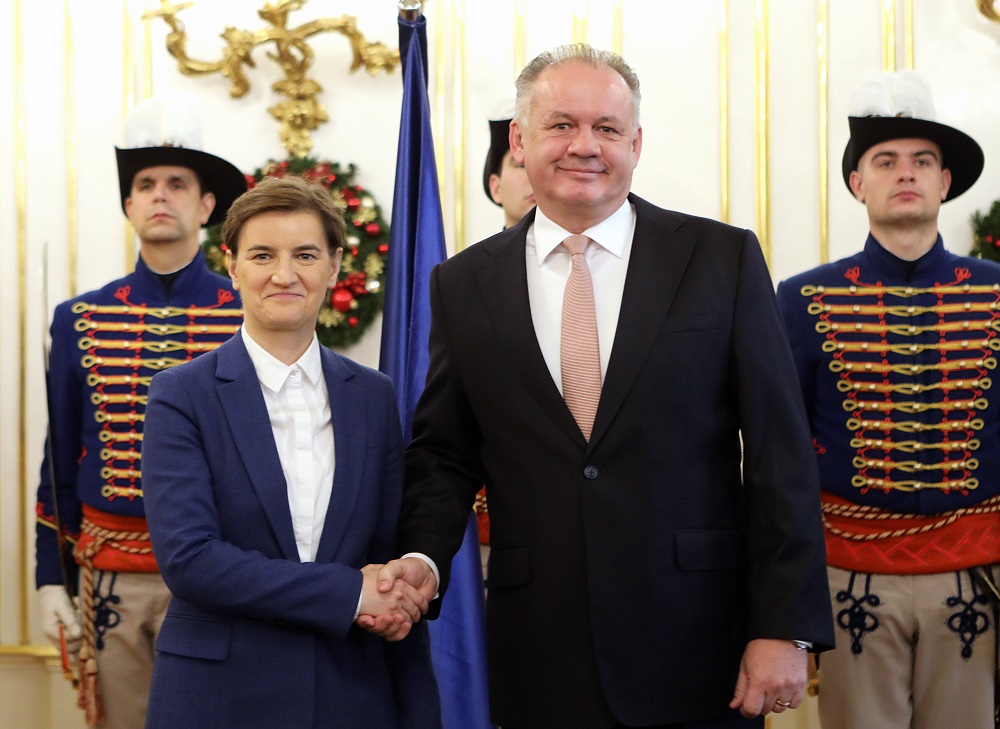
301	112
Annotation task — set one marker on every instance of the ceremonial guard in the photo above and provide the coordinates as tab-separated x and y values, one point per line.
504	179
506	185
106	346
896	349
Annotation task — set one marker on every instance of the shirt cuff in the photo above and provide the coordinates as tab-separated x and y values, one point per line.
430	563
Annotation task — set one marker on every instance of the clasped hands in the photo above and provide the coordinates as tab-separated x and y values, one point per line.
395	596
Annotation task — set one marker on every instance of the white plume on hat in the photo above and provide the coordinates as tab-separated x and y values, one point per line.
899	94
503	110
172	121
166	131
889	106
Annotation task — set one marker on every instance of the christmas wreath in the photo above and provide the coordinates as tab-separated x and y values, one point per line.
358	295
986	233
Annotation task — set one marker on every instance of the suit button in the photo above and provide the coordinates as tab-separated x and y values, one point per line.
590	472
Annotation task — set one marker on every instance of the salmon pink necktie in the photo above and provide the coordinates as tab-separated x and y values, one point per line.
580	354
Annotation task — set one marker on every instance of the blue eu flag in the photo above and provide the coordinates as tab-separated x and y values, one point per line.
416	244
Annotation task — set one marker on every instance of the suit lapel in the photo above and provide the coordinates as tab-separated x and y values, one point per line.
503	280
347	411
245	410
661	249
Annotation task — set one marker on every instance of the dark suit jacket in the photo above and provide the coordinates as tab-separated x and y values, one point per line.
627	574
253	637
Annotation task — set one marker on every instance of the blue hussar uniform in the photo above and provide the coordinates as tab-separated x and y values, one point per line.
898	364
106	346
897	361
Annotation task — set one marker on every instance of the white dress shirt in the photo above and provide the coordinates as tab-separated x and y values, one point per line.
298	405
548	268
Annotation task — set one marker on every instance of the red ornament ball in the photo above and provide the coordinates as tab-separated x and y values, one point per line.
352	321
341	300
372	229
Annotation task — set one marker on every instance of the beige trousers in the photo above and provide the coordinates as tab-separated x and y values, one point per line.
129	609
913	652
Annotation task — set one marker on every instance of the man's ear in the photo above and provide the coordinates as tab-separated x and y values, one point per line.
857	185
515	140
495	188
207	206
945	183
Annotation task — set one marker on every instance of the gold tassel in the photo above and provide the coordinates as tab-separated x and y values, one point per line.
89	698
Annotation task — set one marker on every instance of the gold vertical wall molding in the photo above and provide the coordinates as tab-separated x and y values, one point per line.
147	55
762	125
888	35
69	99
580	28
519	52
908	33
461	73
128	94
440	102
724	110
823	64
21	205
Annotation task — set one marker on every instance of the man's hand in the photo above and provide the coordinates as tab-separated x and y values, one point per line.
410	581
57	609
772	678
389	608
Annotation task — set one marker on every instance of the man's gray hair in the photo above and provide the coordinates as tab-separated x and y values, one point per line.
573	52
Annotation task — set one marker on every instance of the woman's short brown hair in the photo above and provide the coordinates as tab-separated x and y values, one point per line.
284	195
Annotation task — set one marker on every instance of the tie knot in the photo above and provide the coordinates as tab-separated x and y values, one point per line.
576	244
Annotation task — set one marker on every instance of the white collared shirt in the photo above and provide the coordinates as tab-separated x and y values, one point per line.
548	268
298	405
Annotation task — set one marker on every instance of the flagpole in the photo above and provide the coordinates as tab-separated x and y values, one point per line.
409	9
416	246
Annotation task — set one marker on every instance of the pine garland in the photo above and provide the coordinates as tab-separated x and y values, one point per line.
357	297
986	233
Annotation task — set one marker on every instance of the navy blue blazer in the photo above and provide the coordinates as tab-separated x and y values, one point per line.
253	637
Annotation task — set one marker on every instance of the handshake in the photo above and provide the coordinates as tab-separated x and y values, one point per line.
394	596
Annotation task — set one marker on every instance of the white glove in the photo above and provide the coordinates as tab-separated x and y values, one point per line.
58	609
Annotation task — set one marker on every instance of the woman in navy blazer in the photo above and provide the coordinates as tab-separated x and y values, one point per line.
257	636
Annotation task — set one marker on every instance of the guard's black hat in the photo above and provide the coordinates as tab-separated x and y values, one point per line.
499	146
899	106
167	132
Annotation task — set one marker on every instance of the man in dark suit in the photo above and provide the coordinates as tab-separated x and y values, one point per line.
274	474
655	527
